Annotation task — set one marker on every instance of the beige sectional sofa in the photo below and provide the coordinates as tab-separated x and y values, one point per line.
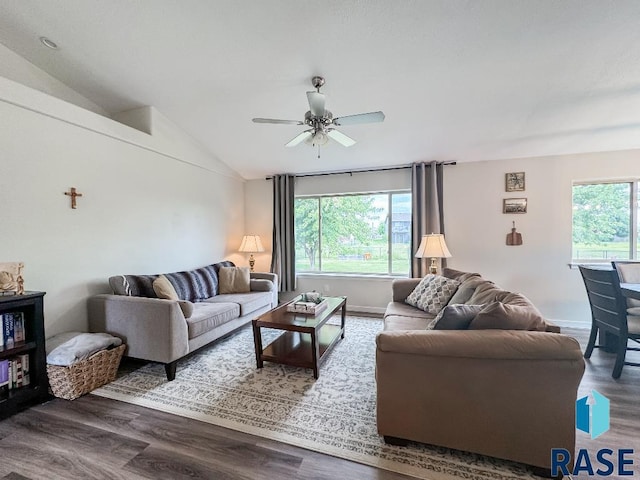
504	393
164	331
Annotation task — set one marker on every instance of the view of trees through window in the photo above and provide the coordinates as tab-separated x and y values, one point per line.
368	233
605	221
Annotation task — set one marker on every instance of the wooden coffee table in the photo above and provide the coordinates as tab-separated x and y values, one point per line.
307	338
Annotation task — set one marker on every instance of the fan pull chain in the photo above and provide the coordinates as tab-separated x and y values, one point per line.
318	151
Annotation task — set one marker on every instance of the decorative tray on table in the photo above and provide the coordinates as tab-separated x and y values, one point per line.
309	303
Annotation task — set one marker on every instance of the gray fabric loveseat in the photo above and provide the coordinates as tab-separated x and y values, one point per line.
502	383
158	330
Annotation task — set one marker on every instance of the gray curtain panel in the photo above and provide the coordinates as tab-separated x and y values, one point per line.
283	259
427	213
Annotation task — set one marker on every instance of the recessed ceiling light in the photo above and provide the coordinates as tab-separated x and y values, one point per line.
49	43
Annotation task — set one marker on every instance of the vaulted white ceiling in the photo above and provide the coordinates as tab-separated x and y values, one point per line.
460	80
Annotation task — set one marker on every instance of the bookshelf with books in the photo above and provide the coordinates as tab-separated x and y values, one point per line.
23	373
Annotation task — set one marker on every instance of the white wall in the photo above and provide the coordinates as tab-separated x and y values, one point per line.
476	228
16	68
151	203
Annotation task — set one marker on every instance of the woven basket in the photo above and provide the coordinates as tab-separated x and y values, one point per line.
81	377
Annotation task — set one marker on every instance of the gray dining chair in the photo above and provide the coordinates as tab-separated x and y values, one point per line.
609	316
629	272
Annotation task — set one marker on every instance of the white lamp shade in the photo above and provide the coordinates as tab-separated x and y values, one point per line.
433	246
251	244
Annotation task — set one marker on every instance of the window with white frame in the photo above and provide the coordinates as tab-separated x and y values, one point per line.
356	233
605	221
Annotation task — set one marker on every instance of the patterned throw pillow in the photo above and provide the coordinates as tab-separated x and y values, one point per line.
432	293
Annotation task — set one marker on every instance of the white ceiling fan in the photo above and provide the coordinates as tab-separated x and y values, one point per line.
322	122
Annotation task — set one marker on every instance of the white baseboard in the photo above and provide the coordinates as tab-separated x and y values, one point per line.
377	311
571	323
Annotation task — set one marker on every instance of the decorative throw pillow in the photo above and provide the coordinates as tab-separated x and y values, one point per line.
464	292
163	288
432	293
234	279
502	316
414	297
187	308
455	317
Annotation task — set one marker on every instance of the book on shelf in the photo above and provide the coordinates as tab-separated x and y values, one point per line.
18	327
15	372
4	376
13	329
8	333
26	378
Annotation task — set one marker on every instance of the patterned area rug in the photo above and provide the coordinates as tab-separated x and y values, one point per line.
335	414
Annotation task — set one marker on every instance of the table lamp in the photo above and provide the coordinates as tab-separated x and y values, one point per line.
251	244
433	246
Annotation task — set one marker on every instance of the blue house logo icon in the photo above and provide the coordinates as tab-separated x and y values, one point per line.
593	416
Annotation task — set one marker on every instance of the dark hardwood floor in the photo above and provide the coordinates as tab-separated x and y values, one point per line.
98	438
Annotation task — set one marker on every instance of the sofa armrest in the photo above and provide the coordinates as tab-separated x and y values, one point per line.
264	276
265	282
402	287
153	329
260	285
492	385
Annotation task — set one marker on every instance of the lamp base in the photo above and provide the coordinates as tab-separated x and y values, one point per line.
252	262
433	268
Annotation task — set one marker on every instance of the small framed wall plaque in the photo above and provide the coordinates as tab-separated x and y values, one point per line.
514	182
514	205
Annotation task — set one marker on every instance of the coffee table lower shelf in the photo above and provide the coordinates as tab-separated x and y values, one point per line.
305	340
296	349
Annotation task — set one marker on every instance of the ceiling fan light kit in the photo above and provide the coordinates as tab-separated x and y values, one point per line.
322	121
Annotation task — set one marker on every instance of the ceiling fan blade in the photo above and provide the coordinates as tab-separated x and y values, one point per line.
301	137
359	118
273	120
316	103
341	138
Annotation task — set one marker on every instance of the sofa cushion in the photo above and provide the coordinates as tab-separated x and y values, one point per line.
248	302
207	316
459	275
400	322
234	280
511	298
432	293
401	308
133	285
455	317
485	293
466	290
164	288
498	315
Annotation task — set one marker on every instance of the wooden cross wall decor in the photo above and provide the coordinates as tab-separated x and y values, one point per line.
73	194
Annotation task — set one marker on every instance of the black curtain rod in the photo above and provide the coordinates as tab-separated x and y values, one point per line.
351	172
